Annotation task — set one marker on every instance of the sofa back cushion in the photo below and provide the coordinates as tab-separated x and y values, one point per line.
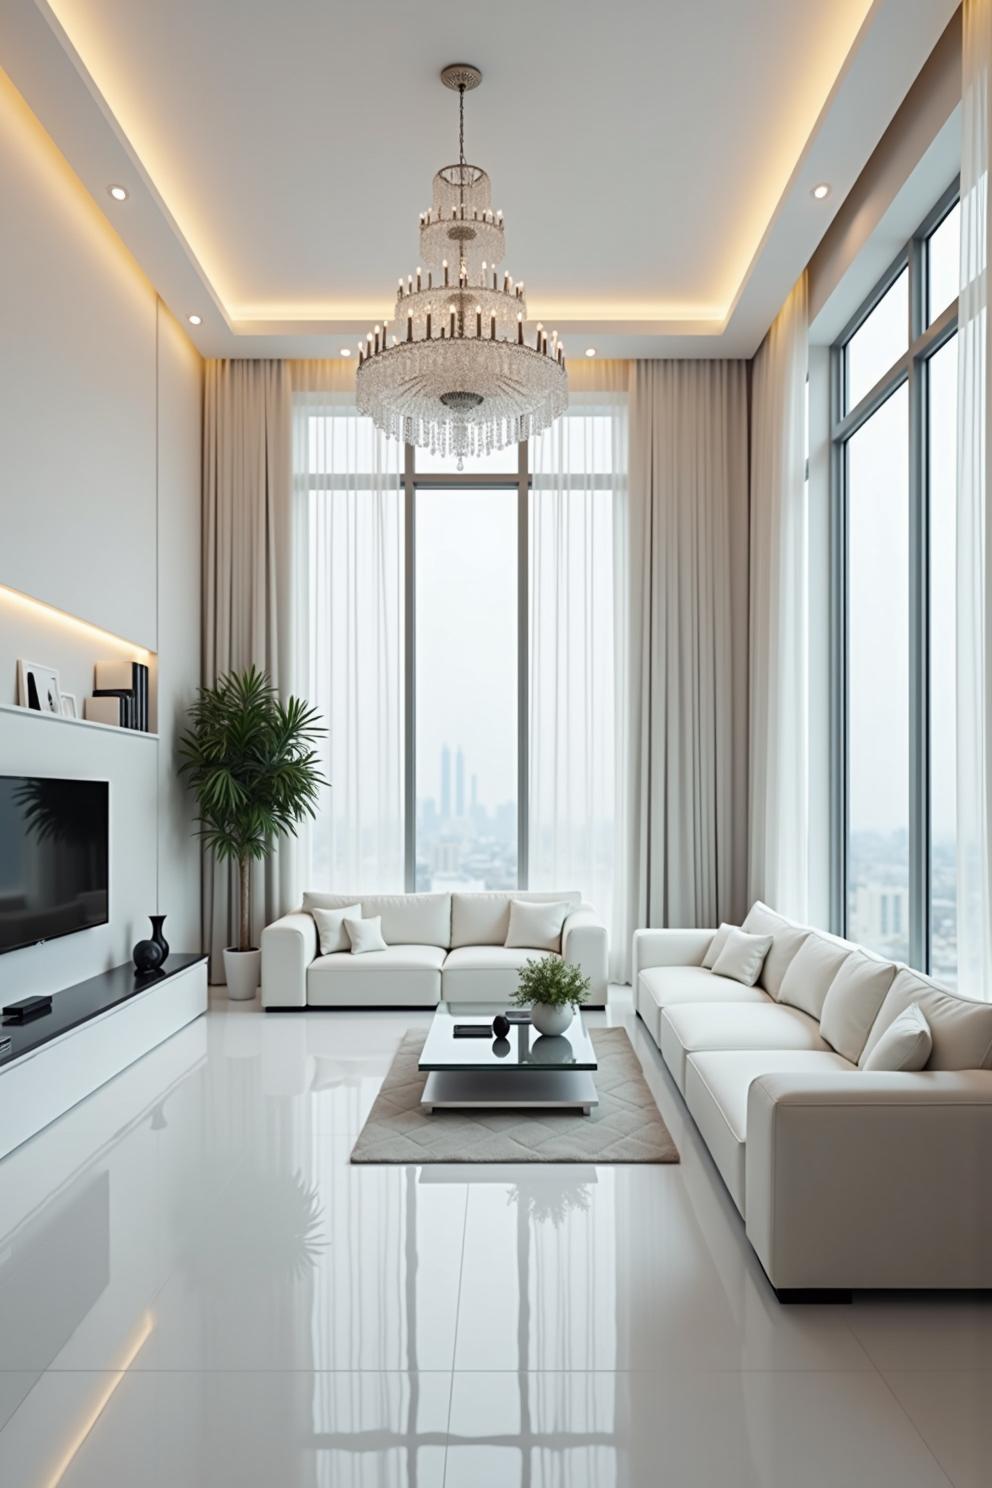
484	918
961	1029
852	1003
407	919
786	940
717	944
810	972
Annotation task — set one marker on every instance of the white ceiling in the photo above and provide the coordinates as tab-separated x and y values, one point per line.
653	158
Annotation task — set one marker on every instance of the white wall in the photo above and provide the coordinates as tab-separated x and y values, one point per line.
100	409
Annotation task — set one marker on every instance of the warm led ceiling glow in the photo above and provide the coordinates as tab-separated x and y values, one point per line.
821	191
346	351
590	351
195	319
119	193
47	612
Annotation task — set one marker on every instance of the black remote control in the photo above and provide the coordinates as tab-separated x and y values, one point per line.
28	1007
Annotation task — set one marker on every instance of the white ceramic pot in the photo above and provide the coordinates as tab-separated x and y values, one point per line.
241	972
549	1019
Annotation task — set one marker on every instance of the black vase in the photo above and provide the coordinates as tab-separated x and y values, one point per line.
157	936
147	956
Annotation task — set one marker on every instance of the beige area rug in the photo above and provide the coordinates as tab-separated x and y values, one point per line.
625	1127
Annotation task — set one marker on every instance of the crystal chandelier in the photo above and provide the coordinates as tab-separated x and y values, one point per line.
459	375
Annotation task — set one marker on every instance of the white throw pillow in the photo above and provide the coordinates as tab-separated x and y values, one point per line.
742	957
330	927
536	927
905	1044
365	935
961	1028
852	1003
809	974
717	944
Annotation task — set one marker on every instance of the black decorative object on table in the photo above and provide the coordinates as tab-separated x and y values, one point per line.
28	1007
501	1026
147	956
157	936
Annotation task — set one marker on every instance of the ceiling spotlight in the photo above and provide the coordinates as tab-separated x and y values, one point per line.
590	351
346	351
819	192
119	193
195	319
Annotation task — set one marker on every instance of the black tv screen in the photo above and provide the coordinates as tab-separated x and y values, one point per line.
54	855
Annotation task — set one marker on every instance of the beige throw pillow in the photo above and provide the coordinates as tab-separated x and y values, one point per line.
716	945
330	928
742	957
905	1044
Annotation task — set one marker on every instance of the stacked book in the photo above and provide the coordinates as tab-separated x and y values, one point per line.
120	695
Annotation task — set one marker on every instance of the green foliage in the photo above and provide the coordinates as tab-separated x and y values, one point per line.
249	759
551	980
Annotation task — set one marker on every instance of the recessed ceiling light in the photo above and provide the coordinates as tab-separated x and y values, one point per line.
119	193
346	351
195	319
821	191
590	351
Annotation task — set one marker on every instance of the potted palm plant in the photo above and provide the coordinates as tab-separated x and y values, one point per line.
249	759
552	989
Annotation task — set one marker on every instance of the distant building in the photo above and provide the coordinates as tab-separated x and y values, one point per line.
459	784
445	783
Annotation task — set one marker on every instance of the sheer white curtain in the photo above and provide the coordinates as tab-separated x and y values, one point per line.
577	671
974	533
348	641
779	752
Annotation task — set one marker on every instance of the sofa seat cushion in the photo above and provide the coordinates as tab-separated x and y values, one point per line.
400	976
484	918
660	986
407	919
485	973
689	1028
716	1087
960	1027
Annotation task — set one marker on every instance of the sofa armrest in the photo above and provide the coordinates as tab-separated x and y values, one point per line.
288	947
585	942
859	1179
668	948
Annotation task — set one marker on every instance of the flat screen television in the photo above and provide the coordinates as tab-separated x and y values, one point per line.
54	858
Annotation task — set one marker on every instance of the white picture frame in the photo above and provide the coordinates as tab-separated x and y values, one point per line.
40	683
70	706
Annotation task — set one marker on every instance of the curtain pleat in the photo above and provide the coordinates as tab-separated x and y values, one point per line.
778	869
687	536
246	599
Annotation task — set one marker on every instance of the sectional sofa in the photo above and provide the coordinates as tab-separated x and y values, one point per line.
438	946
846	1177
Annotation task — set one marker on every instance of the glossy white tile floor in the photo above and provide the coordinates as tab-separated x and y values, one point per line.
197	1289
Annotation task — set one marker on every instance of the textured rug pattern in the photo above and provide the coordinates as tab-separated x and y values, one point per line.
626	1126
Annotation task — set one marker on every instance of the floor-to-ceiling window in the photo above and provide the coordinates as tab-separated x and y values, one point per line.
894	461
458	630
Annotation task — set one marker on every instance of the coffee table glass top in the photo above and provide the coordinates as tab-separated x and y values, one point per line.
523	1049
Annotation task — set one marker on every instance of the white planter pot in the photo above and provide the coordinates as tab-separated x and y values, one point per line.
551	1020
241	972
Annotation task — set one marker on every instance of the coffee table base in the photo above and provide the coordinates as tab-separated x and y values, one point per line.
510	1090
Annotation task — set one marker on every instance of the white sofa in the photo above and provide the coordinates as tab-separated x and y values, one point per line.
846	1178
439	946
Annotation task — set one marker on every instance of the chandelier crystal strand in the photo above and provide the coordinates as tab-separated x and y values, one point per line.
460	375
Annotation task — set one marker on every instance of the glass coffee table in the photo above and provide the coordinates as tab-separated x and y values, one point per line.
525	1070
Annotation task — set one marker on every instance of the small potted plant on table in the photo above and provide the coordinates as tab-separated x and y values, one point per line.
552	989
250	762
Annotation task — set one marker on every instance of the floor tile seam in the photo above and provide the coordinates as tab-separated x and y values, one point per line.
917	1432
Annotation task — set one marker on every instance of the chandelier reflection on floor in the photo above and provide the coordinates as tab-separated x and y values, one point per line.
458	373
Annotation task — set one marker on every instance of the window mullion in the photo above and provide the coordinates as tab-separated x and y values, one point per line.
919	772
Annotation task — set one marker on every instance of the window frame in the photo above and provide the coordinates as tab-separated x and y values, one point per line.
911	368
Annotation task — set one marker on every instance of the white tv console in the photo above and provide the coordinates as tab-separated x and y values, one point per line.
93	1031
